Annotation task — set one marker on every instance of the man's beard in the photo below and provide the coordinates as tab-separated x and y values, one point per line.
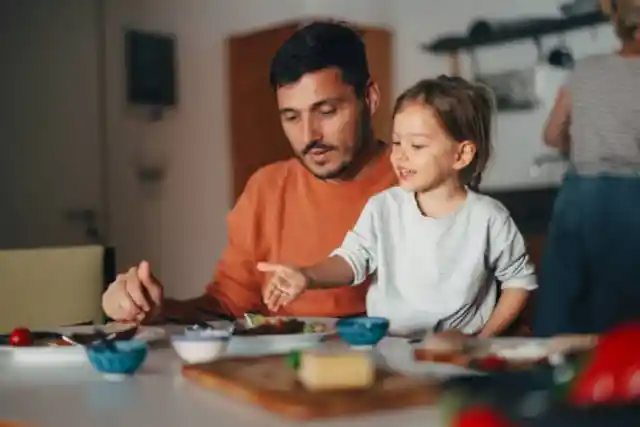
364	133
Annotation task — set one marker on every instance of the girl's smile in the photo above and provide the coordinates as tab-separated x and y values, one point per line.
404	174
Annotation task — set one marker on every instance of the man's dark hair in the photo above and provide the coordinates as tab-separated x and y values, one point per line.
318	46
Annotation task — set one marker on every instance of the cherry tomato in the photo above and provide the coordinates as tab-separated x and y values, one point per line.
21	337
481	416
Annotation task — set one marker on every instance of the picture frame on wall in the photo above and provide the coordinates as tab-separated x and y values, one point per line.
151	68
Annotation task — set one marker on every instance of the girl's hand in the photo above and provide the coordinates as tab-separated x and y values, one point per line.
285	285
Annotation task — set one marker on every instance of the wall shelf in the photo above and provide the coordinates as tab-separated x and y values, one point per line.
530	29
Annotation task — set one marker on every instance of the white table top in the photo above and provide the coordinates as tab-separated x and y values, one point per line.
75	395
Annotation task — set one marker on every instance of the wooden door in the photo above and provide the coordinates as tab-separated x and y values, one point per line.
257	138
378	43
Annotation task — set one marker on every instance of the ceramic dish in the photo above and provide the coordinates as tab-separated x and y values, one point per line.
202	347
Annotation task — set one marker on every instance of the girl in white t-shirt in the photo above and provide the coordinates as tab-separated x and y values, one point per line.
433	247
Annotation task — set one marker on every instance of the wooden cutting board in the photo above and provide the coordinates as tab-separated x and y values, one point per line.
270	383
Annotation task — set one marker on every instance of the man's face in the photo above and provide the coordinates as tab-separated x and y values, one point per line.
324	121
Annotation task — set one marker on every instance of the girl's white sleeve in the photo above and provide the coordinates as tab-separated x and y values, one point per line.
508	255
359	245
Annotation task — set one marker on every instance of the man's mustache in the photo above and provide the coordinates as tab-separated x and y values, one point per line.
316	145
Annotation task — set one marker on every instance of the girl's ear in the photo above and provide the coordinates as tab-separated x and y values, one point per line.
466	153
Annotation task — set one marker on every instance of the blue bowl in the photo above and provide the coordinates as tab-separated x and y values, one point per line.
126	360
362	330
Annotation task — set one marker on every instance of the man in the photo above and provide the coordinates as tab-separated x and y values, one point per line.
294	211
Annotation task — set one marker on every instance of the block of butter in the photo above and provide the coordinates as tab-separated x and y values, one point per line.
336	370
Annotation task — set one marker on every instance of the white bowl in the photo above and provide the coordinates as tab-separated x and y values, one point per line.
200	349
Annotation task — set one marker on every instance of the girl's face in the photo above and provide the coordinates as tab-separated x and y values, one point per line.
424	156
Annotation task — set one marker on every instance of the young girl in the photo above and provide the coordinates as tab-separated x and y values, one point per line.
433	247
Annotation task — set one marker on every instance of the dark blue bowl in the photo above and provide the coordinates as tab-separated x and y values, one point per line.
362	330
126	360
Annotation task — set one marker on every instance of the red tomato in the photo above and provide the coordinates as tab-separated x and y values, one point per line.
21	337
481	416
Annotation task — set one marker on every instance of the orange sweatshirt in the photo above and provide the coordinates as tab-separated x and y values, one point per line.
288	216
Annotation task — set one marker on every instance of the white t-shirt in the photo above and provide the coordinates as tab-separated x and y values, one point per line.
424	269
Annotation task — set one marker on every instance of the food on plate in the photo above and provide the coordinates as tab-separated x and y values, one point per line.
336	370
21	337
489	363
522	352
572	343
59	343
262	325
445	347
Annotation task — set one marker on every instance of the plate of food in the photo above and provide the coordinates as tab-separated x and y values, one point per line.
258	335
24	345
502	353
63	345
531	350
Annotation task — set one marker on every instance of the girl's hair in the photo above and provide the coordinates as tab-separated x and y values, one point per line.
465	112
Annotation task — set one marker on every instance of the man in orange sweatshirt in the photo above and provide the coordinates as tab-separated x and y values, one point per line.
295	211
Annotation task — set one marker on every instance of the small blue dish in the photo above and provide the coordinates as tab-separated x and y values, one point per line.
362	330
125	360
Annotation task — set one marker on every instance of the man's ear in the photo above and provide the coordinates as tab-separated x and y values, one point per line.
372	96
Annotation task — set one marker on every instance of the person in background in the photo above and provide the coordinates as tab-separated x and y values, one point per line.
293	211
590	268
433	246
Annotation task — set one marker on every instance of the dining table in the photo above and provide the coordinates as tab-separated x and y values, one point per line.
75	394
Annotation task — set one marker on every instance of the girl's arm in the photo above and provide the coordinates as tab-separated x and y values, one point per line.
510	304
332	272
513	268
556	132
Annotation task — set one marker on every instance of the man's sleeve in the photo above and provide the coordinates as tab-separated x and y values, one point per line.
236	283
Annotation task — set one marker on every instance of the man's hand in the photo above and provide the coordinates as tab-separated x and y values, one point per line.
285	284
135	296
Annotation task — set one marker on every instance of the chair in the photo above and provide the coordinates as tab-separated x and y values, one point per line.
49	287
